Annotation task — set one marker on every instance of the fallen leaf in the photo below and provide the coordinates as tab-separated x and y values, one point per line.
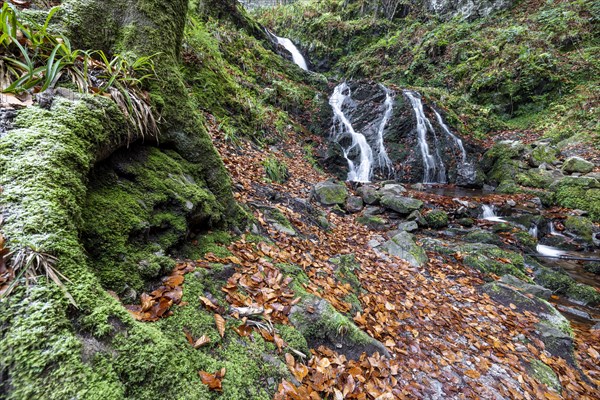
220	323
202	340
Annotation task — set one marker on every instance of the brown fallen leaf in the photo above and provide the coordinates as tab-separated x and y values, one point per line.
213	381
220	323
243	330
203	340
208	303
147	302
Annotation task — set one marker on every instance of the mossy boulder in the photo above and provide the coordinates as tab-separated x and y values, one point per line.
561	283
580	193
580	226
369	194
536	178
372	222
437	219
403	245
401	204
354	204
322	325
578	165
482	236
491	259
330	193
543	154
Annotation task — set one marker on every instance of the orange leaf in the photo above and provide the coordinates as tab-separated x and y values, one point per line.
220	322
472	374
593	353
208	303
147	302
213	381
174	281
243	330
188	336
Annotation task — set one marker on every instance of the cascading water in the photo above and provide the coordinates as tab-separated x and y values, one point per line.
489	214
435	171
455	139
383	160
291	47
533	231
342	128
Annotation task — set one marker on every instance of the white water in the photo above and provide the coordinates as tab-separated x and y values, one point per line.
533	231
549	251
457	141
435	171
383	160
291	47
489	214
341	128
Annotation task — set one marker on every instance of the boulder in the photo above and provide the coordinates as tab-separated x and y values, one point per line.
580	226
577	164
553	328
403	245
526	288
543	153
368	194
467	9
354	204
330	193
579	193
400	204
437	219
322	325
469	175
408	226
392	189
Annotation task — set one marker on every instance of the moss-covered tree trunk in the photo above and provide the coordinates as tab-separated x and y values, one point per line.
49	348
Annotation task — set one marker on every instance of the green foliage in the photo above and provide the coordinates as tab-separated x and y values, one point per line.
276	171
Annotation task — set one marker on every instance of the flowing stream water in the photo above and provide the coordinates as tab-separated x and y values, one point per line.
342	127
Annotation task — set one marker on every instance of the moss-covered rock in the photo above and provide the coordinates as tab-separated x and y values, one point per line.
579	192
543	154
437	219
401	204
373	222
330	193
323	325
577	164
536	178
489	258
561	283
580	226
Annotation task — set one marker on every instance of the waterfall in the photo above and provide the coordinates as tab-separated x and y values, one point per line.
553	230
533	231
549	251
435	171
455	139
383	160
343	128
291	47
490	214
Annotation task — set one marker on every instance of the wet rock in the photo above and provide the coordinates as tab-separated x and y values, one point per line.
322	325
574	311
6	117
354	204
524	287
417	217
373	210
403	245
596	327
553	329
330	193
577	164
392	190
400	204
368	194
437	219
491	259
277	220
469	175
482	236
543	373
408	226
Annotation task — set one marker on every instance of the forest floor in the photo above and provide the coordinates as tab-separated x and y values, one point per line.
447	338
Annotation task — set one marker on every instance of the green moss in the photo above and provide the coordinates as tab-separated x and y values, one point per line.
580	193
580	226
544	374
526	240
437	219
373	222
561	283
293	338
492	259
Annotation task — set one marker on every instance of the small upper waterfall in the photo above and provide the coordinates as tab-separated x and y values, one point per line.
533	231
383	160
342	127
435	170
291	47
